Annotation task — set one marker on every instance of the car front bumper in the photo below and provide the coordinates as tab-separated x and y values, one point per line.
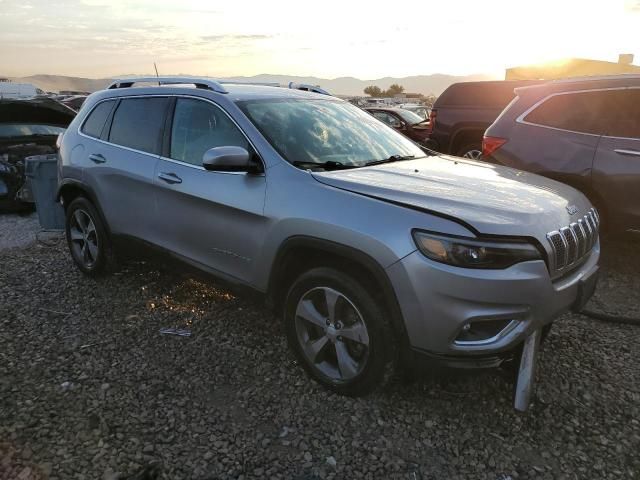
438	300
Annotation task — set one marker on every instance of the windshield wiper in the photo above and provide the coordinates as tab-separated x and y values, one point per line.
392	158
328	165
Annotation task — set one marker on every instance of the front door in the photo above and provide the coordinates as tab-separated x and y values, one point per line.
616	167
213	219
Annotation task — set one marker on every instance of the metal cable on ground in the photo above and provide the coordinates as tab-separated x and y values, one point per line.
605	317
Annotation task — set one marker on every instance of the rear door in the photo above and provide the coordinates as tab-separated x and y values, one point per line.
123	165
213	219
616	168
558	137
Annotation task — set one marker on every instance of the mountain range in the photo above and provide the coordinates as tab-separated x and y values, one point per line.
425	84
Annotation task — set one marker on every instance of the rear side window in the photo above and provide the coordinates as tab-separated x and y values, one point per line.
138	123
199	126
578	112
95	121
600	112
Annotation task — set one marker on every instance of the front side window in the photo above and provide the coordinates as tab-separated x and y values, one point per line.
581	112
624	113
199	126
138	124
319	131
97	118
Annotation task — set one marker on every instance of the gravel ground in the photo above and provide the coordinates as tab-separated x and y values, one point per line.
89	387
18	230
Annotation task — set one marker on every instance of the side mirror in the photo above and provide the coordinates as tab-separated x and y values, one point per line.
227	159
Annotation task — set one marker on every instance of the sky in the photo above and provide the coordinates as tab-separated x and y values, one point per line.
328	39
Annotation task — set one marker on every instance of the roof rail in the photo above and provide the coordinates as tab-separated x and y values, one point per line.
262	84
199	82
308	88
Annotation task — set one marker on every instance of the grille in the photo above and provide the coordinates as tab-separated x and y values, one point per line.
570	244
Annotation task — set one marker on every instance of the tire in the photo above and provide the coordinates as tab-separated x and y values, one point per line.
355	364
472	151
87	238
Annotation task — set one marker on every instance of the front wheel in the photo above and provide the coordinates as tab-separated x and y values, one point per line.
87	237
340	334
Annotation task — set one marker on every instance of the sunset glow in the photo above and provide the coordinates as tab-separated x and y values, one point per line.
96	38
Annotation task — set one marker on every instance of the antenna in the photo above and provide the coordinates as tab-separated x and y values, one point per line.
157	76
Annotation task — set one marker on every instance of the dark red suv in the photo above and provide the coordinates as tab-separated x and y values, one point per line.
583	132
404	121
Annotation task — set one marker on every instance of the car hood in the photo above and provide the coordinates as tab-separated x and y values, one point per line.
37	110
492	200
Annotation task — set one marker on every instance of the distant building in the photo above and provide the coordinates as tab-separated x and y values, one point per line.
404	96
573	67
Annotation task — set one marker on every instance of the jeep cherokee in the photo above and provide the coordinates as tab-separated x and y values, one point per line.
374	250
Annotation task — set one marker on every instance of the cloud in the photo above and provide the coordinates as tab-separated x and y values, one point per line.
218	38
632	6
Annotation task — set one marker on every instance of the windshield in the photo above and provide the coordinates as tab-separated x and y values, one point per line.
410	117
326	131
27	130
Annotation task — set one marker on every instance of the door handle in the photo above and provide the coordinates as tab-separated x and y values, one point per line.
624	151
97	158
169	177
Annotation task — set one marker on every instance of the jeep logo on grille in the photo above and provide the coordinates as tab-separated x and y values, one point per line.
572	209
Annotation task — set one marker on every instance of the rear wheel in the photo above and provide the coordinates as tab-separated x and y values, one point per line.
87	237
339	332
472	151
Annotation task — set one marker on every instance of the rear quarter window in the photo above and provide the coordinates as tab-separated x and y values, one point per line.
138	124
96	119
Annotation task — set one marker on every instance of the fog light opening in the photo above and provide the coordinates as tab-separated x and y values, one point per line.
482	332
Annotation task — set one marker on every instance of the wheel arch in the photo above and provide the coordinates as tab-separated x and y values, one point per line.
70	189
464	136
298	254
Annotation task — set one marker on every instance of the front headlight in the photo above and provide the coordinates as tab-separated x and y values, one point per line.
472	253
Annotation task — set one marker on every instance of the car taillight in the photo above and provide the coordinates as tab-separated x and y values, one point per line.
432	121
491	144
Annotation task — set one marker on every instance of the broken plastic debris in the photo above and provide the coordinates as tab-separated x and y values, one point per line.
181	332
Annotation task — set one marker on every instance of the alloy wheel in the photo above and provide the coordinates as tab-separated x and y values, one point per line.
332	334
473	154
84	238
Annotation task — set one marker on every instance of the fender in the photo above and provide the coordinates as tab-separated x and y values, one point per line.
357	256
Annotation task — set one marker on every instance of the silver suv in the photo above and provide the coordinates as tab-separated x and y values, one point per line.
374	250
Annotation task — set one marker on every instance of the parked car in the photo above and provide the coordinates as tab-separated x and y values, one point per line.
75	102
419	110
375	252
463	112
27	127
583	132
408	123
